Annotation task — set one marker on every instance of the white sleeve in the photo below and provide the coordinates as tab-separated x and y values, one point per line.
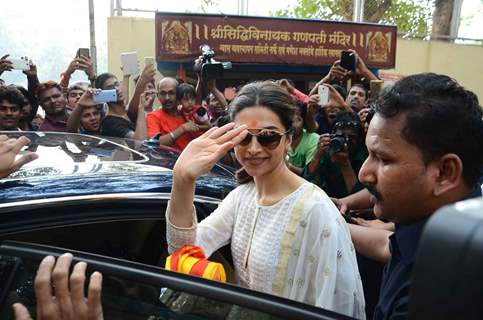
177	237
210	234
216	230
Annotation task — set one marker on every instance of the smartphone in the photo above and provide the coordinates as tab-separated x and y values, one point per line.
348	60
150	61
20	64
129	62
323	95
105	96
375	87
83	52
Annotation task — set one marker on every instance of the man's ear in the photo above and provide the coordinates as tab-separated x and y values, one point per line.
449	173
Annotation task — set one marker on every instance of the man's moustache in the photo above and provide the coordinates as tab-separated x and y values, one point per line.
373	191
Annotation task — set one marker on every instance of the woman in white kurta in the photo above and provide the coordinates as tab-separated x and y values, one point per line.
287	237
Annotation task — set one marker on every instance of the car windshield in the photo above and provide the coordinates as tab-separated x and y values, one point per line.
61	149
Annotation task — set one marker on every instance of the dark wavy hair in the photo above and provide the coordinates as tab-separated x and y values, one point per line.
185	89
13	95
266	94
100	79
441	117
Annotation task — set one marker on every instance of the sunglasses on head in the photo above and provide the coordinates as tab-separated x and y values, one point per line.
267	138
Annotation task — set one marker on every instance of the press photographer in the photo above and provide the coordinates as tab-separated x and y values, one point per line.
339	157
209	68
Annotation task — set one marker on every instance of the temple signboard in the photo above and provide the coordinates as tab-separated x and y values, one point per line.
272	40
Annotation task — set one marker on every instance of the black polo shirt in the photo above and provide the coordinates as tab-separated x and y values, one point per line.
396	279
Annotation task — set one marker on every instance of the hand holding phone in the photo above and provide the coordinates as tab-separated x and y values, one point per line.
323	95
150	61
20	64
104	96
83	52
348	60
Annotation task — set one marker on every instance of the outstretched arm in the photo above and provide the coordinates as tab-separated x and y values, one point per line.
211	85
146	76
371	242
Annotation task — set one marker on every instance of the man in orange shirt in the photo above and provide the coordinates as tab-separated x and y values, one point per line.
175	130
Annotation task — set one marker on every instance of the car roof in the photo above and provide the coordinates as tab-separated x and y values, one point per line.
72	164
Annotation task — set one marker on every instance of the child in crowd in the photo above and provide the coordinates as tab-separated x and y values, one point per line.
191	110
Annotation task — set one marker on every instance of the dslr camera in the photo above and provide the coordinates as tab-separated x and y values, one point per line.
338	142
209	68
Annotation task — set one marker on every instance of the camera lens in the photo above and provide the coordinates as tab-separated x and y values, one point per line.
337	143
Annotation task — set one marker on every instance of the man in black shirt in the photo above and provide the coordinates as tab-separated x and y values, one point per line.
425	146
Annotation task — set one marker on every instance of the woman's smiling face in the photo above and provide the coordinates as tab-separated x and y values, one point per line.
256	159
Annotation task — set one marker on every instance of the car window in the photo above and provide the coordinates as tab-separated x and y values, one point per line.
136	235
133	292
126	299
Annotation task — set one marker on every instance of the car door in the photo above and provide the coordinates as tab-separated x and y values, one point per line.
137	291
127	226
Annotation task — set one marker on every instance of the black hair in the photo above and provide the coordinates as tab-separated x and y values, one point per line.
13	95
79	85
363	87
301	109
441	117
185	89
348	119
221	121
100	79
341	90
266	94
25	93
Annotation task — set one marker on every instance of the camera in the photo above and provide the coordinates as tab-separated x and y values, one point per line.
209	68
338	142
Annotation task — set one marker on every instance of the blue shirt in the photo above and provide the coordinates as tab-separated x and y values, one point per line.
396	279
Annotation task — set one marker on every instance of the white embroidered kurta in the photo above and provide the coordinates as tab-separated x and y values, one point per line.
299	248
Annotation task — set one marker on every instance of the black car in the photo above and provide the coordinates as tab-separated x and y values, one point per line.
104	200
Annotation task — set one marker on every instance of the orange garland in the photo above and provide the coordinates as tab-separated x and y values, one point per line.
191	260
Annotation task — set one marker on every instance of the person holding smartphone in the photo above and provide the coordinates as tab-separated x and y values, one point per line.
117	122
82	62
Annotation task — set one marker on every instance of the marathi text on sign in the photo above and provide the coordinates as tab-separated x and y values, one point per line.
272	40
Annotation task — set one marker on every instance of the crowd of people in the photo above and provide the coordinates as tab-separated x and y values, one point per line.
304	168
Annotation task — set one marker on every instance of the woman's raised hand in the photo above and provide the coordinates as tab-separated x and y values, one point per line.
202	153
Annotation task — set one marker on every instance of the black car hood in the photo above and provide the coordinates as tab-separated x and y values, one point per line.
73	164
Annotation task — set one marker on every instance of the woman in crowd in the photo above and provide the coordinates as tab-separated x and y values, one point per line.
86	116
304	144
287	237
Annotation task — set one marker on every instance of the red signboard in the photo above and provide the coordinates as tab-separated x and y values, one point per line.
272	40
